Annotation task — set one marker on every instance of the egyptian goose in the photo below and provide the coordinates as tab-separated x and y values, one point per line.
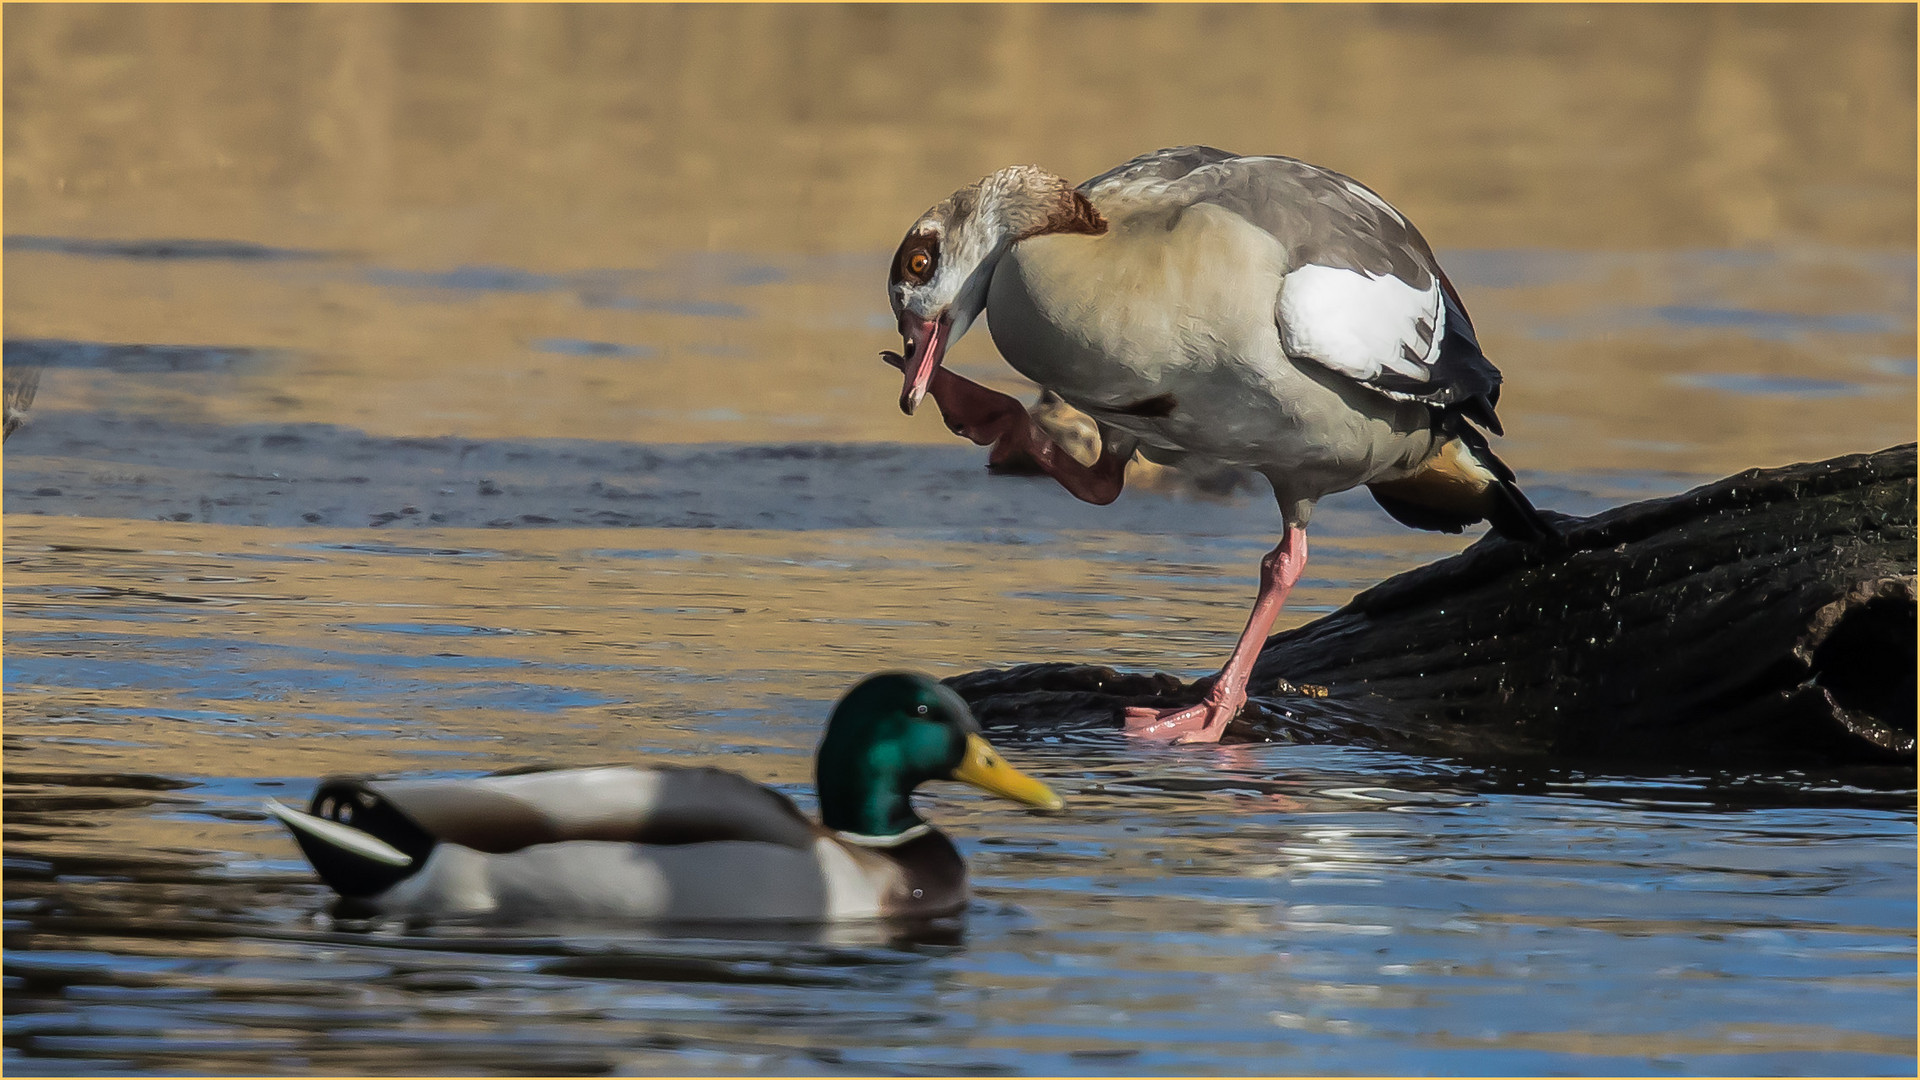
1257	311
667	844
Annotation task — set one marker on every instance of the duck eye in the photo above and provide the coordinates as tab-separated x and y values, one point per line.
920	710
918	262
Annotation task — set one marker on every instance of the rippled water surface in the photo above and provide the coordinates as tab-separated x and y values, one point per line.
436	390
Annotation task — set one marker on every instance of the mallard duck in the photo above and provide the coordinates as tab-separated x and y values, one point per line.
1256	311
674	844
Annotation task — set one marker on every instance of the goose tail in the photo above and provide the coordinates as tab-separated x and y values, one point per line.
352	861
1509	511
1466	482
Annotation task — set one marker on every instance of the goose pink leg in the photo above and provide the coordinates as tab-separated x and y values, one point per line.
1206	721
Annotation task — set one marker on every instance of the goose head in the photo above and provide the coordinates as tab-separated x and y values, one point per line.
895	731
938	284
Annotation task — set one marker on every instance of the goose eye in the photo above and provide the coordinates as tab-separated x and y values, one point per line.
918	262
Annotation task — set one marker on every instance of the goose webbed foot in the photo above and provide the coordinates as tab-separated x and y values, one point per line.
1202	723
988	417
1207	721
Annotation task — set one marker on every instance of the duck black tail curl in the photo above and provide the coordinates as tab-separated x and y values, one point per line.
358	843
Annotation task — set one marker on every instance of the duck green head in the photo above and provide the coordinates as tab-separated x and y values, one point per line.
892	733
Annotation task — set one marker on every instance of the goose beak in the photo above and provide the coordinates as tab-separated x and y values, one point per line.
984	768
926	344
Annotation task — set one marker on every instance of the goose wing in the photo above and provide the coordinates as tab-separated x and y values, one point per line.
1363	295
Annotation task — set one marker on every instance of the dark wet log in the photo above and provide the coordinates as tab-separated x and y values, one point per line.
1766	620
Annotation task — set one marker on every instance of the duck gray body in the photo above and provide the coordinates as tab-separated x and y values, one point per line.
644	844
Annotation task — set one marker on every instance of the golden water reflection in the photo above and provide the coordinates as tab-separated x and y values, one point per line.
574	135
587	156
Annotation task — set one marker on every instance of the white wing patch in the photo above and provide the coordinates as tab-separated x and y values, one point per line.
1360	325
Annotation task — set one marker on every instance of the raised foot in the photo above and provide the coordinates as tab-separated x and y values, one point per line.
1202	723
977	413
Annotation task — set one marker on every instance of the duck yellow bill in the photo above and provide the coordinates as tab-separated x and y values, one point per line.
984	768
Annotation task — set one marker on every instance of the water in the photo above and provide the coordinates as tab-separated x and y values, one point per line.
440	390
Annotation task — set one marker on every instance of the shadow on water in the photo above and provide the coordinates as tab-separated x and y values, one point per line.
161	250
129	359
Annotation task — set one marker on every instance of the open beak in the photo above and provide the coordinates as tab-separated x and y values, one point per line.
926	342
984	768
